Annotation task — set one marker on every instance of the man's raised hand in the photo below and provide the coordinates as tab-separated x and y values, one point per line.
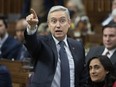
32	19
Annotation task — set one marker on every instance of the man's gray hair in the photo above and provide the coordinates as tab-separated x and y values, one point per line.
59	8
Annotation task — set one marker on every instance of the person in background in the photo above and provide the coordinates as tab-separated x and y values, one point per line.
101	72
9	47
75	10
21	25
110	17
109	44
59	60
5	77
113	16
43	29
78	15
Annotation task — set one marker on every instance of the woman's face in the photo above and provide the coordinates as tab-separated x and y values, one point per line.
97	71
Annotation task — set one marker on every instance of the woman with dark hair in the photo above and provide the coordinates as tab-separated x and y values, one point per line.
101	72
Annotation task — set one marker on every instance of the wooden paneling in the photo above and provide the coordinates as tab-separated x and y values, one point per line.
10	6
12	10
97	10
19	74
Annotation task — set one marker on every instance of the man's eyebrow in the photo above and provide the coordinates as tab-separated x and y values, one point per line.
63	17
53	18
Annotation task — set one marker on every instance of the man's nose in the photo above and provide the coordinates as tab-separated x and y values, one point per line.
58	24
107	38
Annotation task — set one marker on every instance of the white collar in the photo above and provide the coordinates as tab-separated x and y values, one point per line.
2	40
110	51
56	41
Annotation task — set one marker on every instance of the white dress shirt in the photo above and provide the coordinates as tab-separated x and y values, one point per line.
110	52
2	40
57	76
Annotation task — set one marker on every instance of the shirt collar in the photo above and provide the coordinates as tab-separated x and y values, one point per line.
56	41
3	39
110	51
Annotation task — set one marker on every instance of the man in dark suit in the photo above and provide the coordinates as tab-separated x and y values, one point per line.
45	51
9	47
109	41
5	77
21	25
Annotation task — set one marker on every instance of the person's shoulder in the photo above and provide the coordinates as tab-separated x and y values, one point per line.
97	47
12	39
44	37
13	42
74	41
3	69
114	84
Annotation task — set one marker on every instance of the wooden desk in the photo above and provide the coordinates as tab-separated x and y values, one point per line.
18	73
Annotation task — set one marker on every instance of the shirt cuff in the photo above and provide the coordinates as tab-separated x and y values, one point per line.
31	31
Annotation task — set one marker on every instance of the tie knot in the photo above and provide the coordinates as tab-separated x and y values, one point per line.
107	53
62	43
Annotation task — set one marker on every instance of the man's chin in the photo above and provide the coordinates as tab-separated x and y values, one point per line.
109	47
59	37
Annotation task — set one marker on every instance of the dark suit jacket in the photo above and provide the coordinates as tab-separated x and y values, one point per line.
95	51
11	49
5	78
44	52
24	54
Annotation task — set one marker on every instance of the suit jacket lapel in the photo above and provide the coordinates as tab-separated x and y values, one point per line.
72	49
52	45
113	58
100	50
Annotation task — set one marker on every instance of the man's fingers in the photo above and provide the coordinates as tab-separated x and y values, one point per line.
32	19
34	13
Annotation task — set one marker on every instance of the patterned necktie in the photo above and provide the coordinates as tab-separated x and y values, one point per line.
65	72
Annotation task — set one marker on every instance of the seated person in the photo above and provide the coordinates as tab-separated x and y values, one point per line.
109	44
5	78
21	25
101	72
9	47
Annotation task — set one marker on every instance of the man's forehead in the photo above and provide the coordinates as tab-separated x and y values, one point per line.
110	30
62	17
56	16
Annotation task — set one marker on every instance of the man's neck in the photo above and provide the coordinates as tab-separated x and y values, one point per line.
2	35
5	35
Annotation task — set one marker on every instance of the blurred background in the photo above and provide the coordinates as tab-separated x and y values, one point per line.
93	12
87	21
